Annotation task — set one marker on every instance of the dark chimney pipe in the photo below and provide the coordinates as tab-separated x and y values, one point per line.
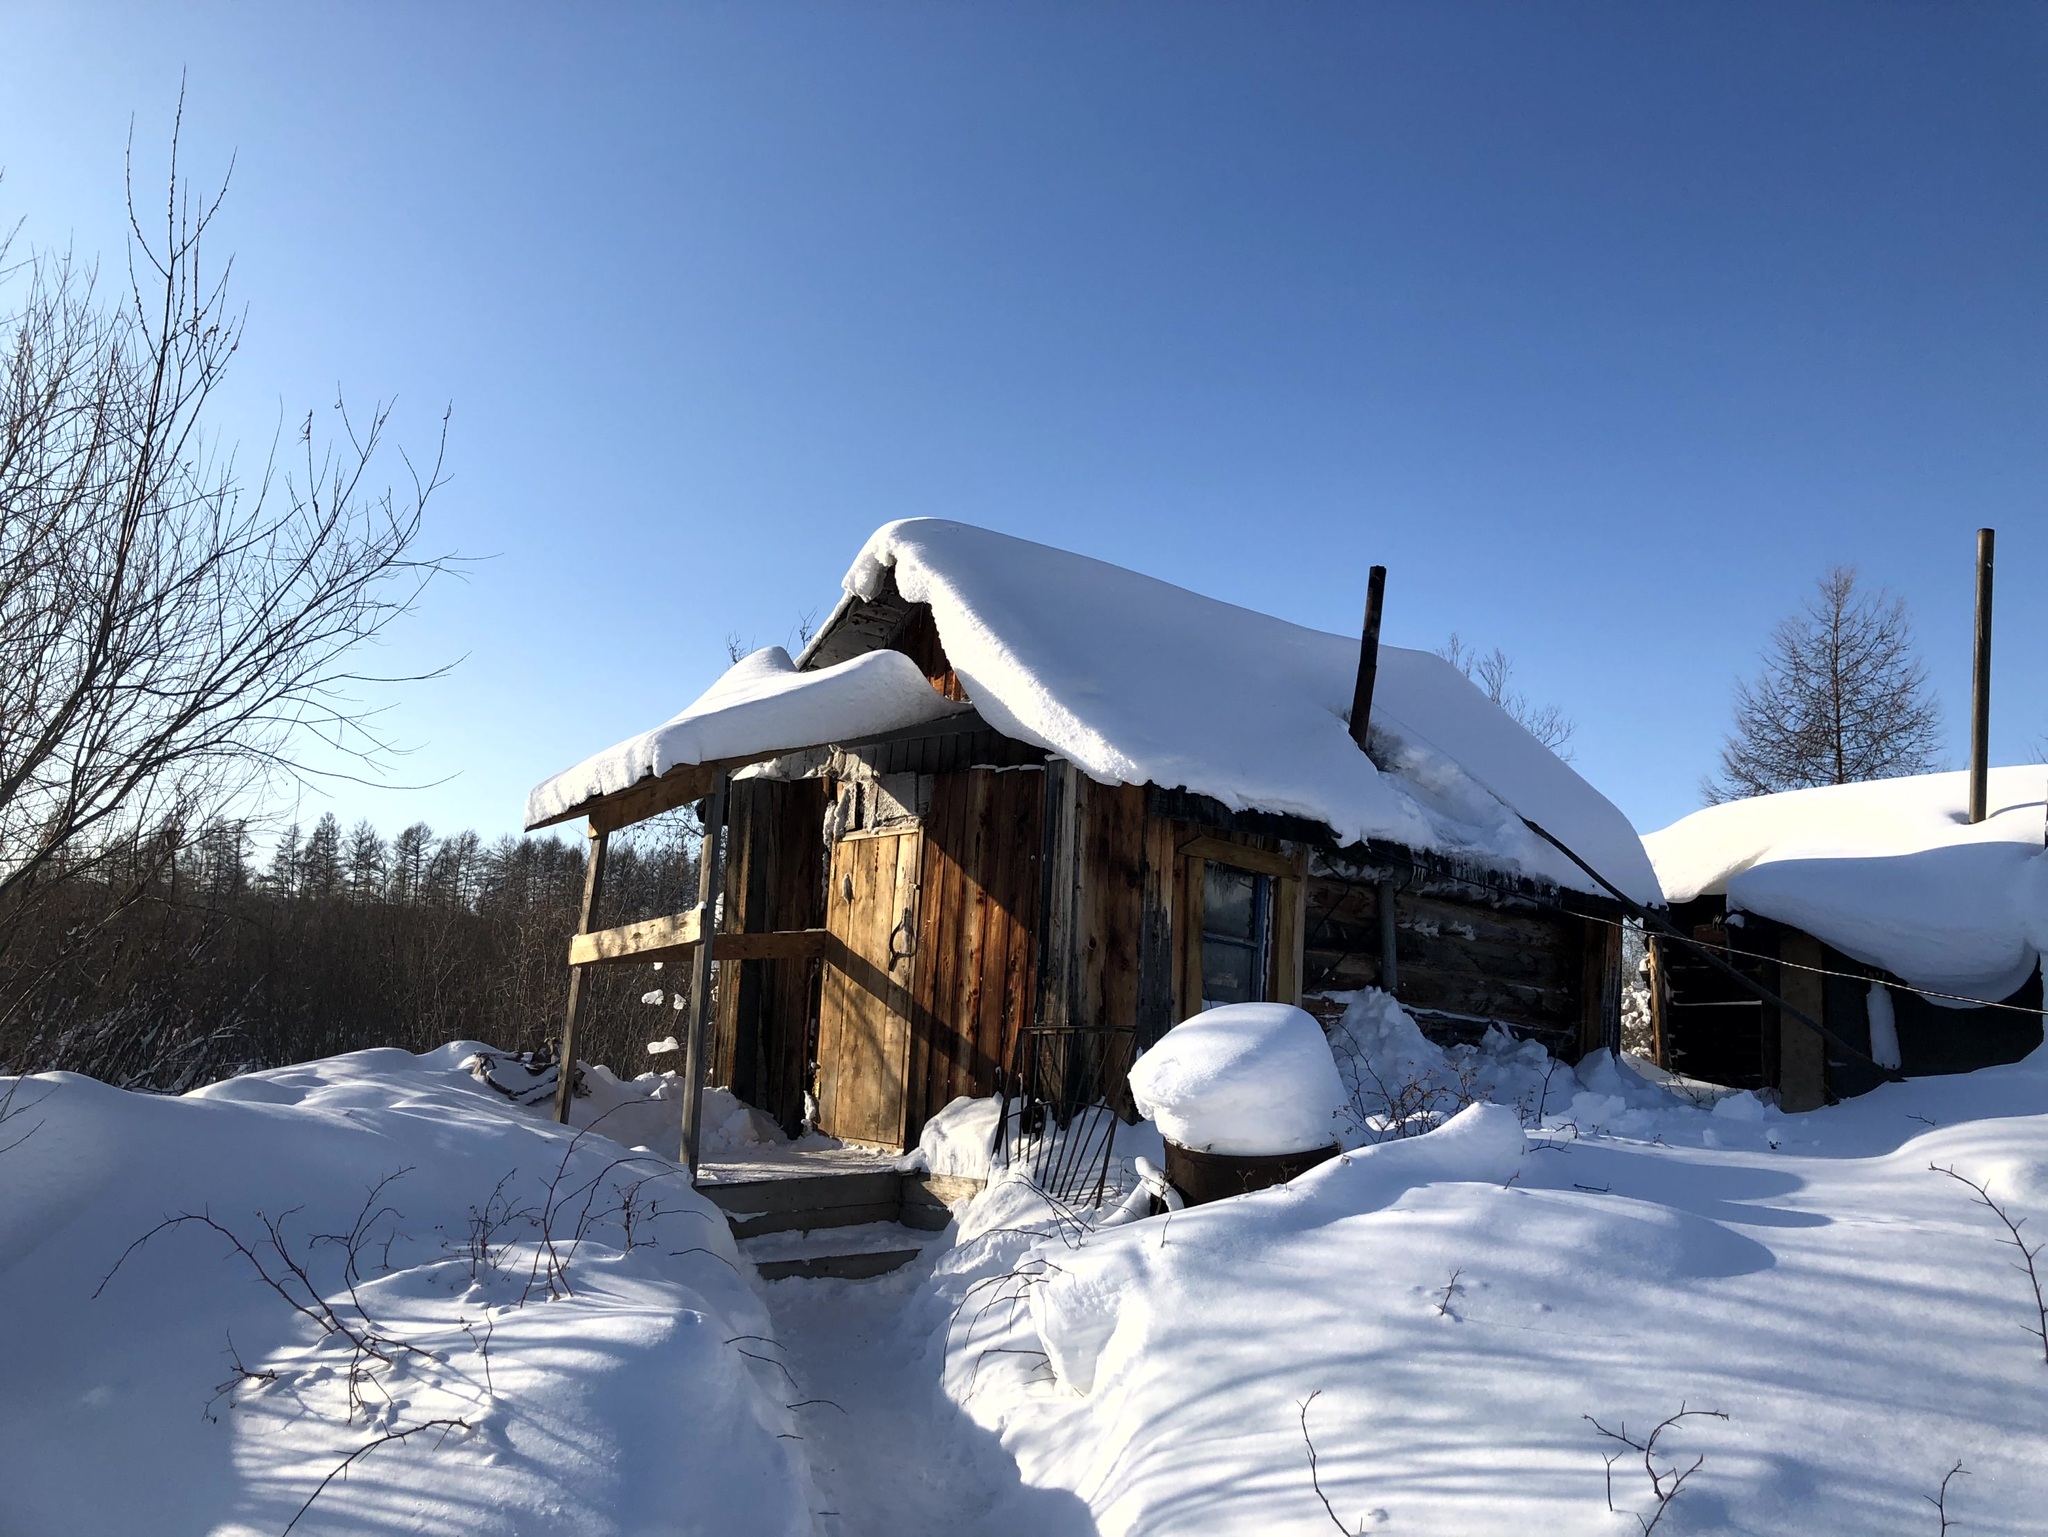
1980	680
1368	657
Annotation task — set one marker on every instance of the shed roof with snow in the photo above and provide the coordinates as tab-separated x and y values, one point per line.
1138	681
1890	872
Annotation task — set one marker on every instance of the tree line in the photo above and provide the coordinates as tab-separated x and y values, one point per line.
176	959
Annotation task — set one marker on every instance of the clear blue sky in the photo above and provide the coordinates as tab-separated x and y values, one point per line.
1604	327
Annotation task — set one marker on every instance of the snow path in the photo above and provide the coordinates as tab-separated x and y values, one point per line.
901	1461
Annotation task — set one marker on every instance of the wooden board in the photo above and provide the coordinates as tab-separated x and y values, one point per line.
978	917
1109	915
863	1266
864	1024
653	939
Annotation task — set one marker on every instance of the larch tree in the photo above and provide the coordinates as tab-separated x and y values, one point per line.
1842	697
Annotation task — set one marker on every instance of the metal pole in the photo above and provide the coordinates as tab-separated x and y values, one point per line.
710	874
1980	681
1368	657
593	890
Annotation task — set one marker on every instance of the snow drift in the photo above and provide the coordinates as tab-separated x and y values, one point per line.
559	1316
1433	1316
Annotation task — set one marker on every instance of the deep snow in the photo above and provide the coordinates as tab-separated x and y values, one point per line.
1458	1300
1509	1246
615	1400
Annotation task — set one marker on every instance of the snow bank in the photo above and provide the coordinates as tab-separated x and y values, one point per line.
1890	872
1137	681
761	705
1254	1078
1445	1307
596	1380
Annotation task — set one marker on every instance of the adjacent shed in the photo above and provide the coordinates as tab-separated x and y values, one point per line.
1877	909
1015	812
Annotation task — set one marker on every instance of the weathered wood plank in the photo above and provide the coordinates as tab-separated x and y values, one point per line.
1057	937
1156	976
1245	856
1111	906
837	1267
651	939
812	1219
655	939
805	1192
789	945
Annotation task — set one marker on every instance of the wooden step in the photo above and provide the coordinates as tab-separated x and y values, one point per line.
837	1267
804	1202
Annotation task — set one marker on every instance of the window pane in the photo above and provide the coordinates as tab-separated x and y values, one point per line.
1227	972
1228	905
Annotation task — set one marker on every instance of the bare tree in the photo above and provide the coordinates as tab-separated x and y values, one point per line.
172	636
1547	723
1841	698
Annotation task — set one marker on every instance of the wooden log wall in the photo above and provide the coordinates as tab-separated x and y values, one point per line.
1522	965
774	881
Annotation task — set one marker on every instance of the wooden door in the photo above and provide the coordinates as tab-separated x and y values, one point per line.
871	918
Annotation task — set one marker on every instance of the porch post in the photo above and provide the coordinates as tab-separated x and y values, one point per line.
710	875
593	889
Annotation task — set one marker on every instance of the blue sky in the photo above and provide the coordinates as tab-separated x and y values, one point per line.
1604	327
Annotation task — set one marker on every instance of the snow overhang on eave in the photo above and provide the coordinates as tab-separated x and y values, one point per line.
762	708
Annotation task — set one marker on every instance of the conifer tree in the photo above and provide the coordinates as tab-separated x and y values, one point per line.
1842	697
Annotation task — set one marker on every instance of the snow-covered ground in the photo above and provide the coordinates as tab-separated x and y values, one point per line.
1443	1316
1510	1251
598	1385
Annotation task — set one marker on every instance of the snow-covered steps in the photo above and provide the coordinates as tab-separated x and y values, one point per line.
840	1253
802	1203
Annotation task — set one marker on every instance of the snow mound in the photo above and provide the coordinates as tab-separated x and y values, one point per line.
1890	872
960	1138
551	1318
1432	1317
762	705
1250	1078
1136	681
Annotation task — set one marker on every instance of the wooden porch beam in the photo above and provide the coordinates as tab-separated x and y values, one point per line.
653	939
658	939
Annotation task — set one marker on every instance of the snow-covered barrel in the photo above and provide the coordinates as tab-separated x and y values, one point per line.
1245	1097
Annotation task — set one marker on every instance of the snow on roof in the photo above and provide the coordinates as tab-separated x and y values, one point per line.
762	705
1890	872
1135	681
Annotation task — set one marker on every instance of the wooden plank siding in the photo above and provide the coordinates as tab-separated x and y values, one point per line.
918	639
774	884
864	1010
980	889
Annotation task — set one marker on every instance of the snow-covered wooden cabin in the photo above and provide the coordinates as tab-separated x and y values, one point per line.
1018	811
1877	909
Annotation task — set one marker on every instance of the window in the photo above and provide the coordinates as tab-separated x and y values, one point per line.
1236	922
